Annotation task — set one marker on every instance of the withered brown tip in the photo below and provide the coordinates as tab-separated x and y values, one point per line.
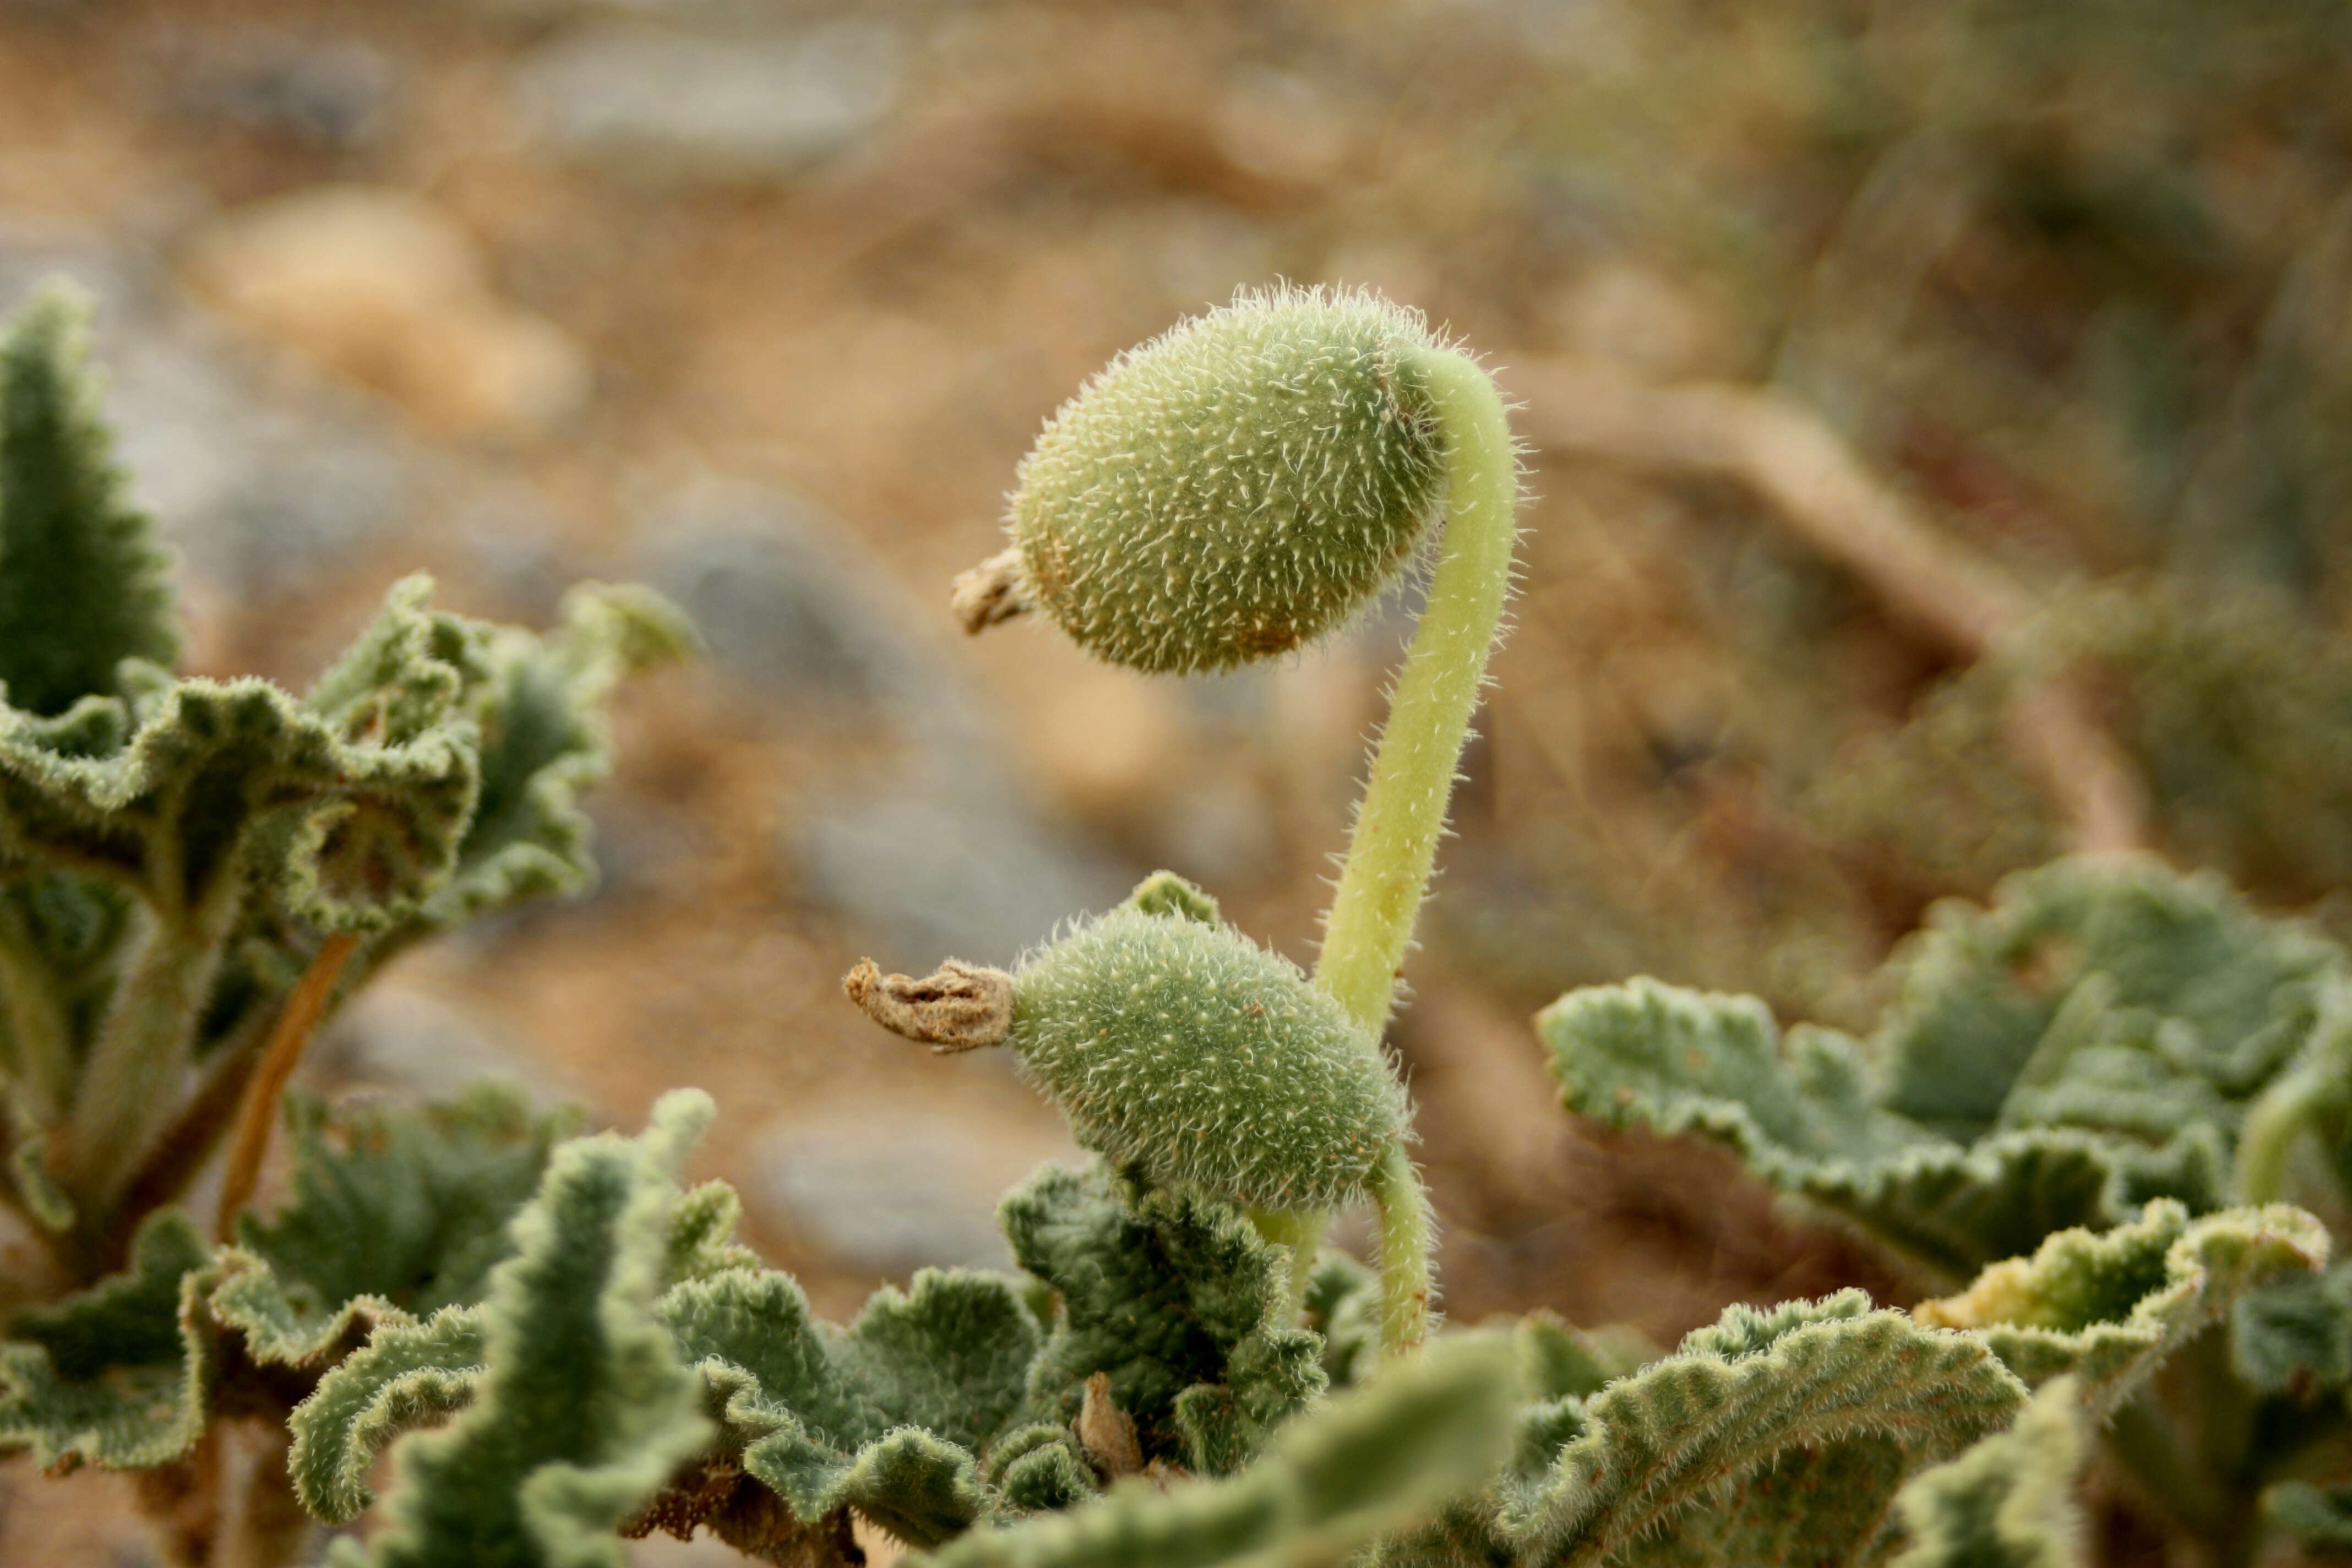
995	590
961	1007
1106	1432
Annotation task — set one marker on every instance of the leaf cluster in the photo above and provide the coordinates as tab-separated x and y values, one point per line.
173	850
2094	1039
2068	1091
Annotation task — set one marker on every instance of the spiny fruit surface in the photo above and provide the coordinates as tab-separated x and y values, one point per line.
1186	1050
1237	487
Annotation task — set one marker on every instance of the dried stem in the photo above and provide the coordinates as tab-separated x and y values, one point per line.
1825	496
181	1503
258	1113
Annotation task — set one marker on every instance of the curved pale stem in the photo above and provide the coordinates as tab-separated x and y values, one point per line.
1403	814
2316	1087
1407	1280
134	1074
1300	1230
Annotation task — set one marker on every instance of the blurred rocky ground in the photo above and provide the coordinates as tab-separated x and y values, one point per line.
762	303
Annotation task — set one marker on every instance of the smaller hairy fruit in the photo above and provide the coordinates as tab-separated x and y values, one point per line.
1230	490
1179	1049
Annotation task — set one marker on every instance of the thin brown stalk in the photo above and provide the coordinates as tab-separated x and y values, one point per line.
1826	496
257	1114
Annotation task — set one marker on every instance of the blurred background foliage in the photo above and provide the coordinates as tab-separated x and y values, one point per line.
762	301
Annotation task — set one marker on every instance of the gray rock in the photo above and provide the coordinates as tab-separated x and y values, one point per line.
894	1189
121	283
259	495
329	93
951	860
799	611
733	12
762	106
395	1037
938	850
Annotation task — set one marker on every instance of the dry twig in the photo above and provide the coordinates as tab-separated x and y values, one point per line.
258	1111
1824	496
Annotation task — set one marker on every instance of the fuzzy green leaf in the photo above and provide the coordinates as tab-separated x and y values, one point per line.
544	742
407	1374
2202	992
2295	1336
885	1416
28	1179
1372	1461
1343	1306
2107	1309
116	1375
1643	1054
2009	1502
1040	1468
1796	1424
338	811
1558	1361
583	1410
61	939
702	1235
82	586
1167	894
1163	1292
394	1214
2088	1043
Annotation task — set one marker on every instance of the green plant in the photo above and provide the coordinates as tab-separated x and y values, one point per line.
1221	494
2108	1046
2080	1117
192	872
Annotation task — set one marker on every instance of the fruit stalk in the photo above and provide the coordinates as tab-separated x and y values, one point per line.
1403	813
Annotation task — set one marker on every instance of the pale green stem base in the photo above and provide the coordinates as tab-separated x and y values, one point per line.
1402	816
1300	1230
2290	1108
134	1079
1407	1280
37	1033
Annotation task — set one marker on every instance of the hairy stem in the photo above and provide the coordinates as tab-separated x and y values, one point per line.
2290	1107
131	1082
2281	1116
1406	1281
269	1527
258	1112
33	1021
1300	1230
1394	846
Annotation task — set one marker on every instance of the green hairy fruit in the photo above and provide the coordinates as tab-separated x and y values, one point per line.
1186	1050
1176	1048
1224	493
1236	488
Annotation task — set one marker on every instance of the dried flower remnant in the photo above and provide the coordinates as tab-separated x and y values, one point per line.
960	1008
